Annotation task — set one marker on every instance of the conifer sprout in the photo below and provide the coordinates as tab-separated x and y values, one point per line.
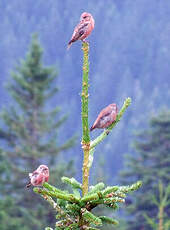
75	210
72	181
96	188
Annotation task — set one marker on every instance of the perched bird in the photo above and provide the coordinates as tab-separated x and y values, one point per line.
83	29
106	117
39	176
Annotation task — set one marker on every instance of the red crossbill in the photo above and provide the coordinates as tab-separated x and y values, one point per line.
106	117
39	176
83	29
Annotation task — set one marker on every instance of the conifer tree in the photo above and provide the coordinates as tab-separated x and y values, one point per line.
28	131
75	209
151	164
160	221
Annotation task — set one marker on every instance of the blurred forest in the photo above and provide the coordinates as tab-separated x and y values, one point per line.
129	56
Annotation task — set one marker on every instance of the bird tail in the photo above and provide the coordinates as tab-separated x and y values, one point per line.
28	185
92	128
69	44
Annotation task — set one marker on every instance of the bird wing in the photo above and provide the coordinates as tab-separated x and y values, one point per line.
102	116
35	173
104	113
79	31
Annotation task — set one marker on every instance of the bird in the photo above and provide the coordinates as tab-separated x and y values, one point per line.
106	117
39	176
83	29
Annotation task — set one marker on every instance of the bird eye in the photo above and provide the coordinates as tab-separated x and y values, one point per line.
85	17
45	169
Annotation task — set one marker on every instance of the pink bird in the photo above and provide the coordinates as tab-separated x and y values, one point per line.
83	29
39	176
106	117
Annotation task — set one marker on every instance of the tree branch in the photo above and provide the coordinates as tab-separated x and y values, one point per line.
84	116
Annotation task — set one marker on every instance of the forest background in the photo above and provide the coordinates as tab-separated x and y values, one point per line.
129	56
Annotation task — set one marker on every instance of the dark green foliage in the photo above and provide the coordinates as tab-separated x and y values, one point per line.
130	57
151	164
74	210
29	137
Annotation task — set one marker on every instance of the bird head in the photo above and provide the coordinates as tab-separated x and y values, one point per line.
113	107
43	169
85	16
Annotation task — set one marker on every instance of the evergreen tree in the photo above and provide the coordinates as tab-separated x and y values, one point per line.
151	164
160	222
28	136
74	210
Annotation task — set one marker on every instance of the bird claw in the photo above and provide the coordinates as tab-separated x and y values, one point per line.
84	41
107	132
